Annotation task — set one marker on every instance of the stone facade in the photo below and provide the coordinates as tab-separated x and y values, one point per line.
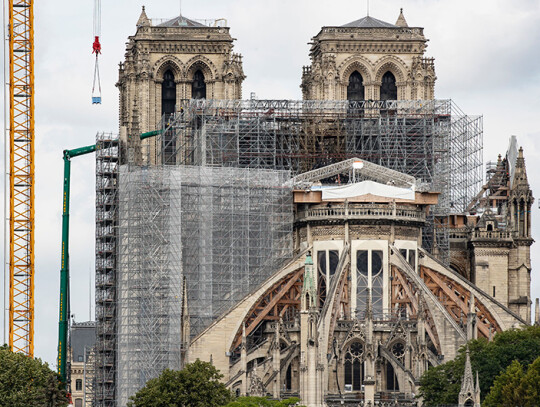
369	59
166	63
492	247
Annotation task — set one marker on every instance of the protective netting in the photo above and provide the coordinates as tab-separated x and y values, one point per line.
224	229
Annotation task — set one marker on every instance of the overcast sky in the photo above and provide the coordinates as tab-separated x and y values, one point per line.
486	60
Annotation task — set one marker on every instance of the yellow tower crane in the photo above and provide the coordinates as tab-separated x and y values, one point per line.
21	176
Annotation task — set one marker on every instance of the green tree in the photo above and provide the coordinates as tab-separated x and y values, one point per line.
505	389
530	385
197	385
262	402
26	381
441	384
513	387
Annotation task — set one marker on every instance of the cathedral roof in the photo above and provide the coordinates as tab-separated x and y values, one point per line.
181	21
369	22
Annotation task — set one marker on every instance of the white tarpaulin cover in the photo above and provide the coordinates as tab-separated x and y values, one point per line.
367	187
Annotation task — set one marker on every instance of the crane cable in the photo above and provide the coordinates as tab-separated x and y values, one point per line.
96	49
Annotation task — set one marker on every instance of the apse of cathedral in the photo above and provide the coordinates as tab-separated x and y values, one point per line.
362	308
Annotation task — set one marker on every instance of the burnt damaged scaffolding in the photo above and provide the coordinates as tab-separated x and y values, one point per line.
431	140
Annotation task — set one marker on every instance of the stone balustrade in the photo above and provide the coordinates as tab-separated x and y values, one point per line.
369	212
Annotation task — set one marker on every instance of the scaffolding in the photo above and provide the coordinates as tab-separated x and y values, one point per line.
107	159
223	230
430	140
216	210
236	230
149	277
89	375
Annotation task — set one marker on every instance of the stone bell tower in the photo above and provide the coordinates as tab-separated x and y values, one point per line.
167	62
369	59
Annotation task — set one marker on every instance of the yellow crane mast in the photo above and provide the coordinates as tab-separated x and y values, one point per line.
21	176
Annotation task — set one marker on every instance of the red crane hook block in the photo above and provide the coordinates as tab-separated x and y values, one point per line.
96	47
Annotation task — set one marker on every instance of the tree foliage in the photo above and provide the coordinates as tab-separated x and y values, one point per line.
197	385
25	381
441	384
514	387
262	402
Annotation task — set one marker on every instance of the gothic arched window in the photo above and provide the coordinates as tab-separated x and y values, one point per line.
288	379
388	87
354	366
355	89
168	93
391	377
198	86
321	278
377	281
362	280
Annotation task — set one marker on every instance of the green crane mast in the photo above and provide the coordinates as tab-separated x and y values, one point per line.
63	323
63	320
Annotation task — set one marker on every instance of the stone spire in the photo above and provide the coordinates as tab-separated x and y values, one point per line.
468	390
401	22
520	175
477	390
143	21
521	200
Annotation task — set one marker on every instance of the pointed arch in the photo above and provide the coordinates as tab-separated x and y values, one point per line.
203	64
386	355
355	63
168	62
391	64
168	92
389	90
353	364
356	88
198	85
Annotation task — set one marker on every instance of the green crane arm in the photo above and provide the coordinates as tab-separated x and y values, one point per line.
150	134
63	320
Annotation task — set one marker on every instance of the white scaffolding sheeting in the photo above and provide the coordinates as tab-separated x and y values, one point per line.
236	229
367	187
224	229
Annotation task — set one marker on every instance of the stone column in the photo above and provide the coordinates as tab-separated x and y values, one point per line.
243	361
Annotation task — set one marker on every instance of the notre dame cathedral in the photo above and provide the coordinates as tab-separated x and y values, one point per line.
386	272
